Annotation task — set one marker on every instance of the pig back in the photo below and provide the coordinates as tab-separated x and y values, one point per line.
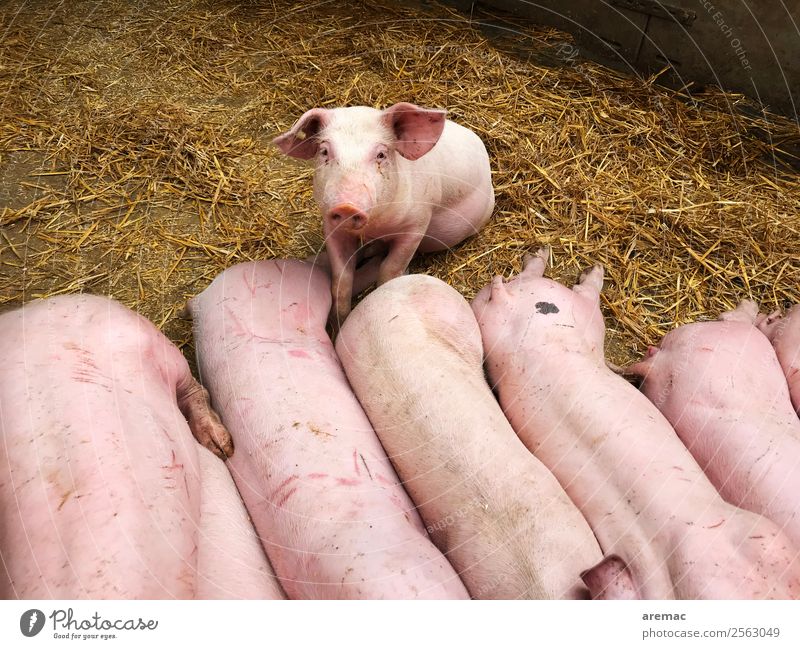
324	498
412	352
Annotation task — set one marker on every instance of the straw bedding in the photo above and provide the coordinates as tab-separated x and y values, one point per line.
135	156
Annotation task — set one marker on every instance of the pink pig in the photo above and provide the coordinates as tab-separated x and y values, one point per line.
720	385
784	334
404	175
664	529
104	492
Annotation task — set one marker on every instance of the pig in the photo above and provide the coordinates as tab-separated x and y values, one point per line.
784	334
104	492
412	352
404	175
328	507
231	563
721	386
663	529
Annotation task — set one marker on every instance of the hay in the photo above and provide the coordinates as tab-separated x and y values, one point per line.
135	157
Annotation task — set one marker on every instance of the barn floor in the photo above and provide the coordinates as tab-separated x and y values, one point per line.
135	156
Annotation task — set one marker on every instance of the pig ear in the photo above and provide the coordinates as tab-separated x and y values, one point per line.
639	371
310	124
610	579
416	129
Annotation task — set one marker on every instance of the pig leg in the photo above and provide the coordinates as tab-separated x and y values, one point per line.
341	250
195	404
99	492
401	251
365	274
231	563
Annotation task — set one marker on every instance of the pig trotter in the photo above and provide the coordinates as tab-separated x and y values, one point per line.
205	424
401	251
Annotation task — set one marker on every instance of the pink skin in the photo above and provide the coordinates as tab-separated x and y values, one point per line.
326	502
721	386
412	352
405	175
100	477
784	334
231	562
664	529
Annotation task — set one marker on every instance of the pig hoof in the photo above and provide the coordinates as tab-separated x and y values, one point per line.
205	424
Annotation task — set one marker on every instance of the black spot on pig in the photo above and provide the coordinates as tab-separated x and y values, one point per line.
546	308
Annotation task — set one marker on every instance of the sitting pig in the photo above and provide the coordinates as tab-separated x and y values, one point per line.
404	175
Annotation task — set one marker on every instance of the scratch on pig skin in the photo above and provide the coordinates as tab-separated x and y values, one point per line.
174	465
286	497
348	482
64	499
369	473
241	330
711	527
355	462
250	287
283	484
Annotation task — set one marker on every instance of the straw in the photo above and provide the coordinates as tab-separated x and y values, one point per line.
136	158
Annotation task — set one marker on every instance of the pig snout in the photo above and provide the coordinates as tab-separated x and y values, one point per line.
346	216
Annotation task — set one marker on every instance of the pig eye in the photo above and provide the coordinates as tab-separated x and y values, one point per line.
323	151
381	155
